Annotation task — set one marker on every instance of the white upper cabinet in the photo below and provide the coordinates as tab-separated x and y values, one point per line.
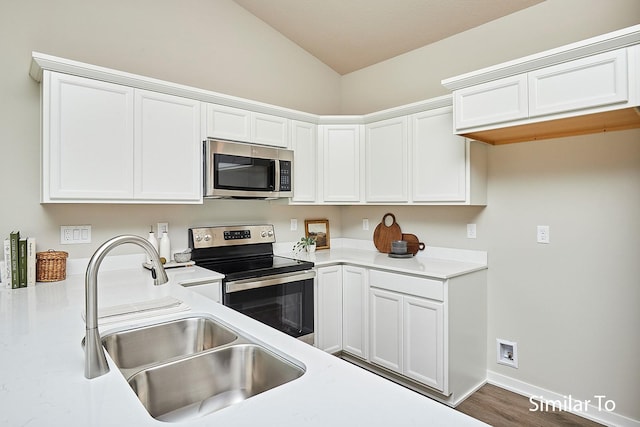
304	143
585	87
387	161
167	147
341	162
87	150
493	102
104	142
228	123
246	126
269	130
596	81
439	161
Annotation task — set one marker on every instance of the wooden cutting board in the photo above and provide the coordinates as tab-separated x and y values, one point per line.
413	243
384	234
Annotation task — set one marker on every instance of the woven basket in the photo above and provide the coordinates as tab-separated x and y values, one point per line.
51	266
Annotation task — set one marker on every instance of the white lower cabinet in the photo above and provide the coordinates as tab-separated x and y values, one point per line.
328	319
386	329
407	336
418	331
355	310
423	341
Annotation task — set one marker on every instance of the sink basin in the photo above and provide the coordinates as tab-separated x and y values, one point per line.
204	383
136	348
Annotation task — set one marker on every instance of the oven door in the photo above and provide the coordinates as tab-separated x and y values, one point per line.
282	301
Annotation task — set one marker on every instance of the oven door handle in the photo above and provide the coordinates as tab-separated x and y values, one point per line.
261	282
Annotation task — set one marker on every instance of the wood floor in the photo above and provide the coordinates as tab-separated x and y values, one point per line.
502	408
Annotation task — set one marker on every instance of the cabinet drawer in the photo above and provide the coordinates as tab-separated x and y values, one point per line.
411	285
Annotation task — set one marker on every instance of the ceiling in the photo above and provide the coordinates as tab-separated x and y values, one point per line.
348	35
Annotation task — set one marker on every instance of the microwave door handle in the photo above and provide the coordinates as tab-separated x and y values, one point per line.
261	282
276	176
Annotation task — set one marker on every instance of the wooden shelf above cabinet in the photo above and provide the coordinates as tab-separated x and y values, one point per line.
609	121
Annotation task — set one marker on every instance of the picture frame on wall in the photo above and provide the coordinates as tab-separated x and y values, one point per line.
319	230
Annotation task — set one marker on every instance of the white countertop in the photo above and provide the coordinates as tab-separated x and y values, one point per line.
434	262
42	379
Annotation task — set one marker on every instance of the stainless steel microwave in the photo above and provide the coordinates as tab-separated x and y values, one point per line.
249	171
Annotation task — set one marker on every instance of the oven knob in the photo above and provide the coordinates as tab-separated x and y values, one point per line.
207	237
198	238
263	234
270	233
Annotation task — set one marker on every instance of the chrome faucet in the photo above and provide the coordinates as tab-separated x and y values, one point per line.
95	361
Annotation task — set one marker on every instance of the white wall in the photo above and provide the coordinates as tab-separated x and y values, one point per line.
573	305
211	44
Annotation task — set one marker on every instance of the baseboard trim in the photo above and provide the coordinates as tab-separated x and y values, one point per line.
592	412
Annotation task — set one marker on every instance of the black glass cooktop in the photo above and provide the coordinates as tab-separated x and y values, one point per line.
244	268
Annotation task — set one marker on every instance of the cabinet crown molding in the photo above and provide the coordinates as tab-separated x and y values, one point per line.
42	61
610	41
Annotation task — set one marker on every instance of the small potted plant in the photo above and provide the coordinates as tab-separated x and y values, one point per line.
307	243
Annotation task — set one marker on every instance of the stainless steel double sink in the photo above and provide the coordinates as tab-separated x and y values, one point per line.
190	367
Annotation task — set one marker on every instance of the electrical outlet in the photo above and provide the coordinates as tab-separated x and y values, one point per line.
162	227
294	224
543	234
71	234
471	231
365	223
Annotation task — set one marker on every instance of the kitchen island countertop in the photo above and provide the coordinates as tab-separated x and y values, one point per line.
42	365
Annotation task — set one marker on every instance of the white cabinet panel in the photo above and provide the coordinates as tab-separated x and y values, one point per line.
304	143
589	82
386	329
328	328
386	164
493	102
355	310
228	123
424	341
269	130
341	163
167	147
439	158
87	139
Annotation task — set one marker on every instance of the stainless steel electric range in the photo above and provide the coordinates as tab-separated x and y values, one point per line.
275	290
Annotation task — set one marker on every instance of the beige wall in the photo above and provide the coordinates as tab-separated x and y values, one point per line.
211	44
573	305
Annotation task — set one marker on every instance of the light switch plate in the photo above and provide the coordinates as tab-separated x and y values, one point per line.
471	231
543	234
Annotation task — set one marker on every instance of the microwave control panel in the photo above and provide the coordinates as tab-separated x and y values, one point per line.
285	175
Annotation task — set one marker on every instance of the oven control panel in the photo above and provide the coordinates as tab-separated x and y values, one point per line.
220	236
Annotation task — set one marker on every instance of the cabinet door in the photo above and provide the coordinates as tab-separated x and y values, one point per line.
167	147
386	329
329	302
594	81
386	164
492	102
228	123
269	130
87	139
341	163
424	341
305	162
439	158
354	310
